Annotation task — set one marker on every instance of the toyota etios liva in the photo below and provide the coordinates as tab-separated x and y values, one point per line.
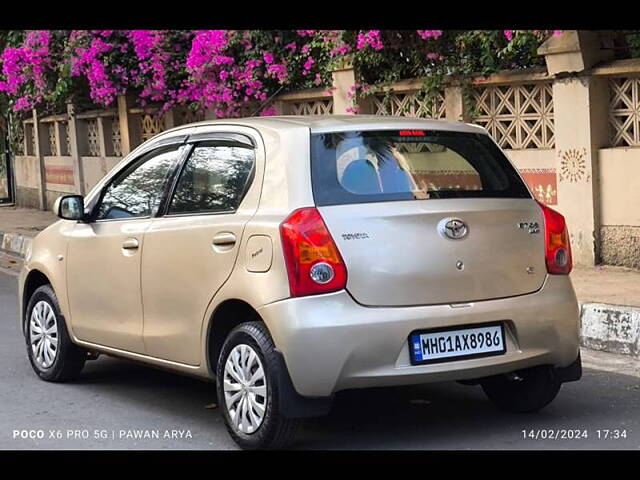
289	258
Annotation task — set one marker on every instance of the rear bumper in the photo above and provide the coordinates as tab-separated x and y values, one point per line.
331	343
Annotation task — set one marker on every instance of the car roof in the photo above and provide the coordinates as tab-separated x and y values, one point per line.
331	123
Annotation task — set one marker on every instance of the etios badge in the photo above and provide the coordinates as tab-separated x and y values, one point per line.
452	228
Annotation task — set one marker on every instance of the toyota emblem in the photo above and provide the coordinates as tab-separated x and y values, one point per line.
452	228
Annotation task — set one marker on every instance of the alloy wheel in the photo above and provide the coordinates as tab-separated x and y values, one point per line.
245	389
43	334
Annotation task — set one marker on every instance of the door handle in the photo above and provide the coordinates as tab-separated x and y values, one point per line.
224	238
130	244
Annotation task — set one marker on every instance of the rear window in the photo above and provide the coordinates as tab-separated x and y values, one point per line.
381	166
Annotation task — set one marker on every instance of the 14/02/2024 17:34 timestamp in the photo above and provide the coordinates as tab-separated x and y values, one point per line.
574	434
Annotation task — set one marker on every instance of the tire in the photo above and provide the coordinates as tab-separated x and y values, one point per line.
68	359
273	430
536	389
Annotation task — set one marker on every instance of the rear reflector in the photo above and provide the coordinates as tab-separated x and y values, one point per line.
557	243
314	264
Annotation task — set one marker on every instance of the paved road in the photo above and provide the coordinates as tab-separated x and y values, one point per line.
118	400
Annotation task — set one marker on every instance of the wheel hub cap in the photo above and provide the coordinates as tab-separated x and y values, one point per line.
245	389
43	334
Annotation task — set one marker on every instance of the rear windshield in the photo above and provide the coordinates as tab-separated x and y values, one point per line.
381	166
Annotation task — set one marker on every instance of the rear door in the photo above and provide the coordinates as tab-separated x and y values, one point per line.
427	217
191	249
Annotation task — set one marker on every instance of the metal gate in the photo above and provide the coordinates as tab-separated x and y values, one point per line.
6	175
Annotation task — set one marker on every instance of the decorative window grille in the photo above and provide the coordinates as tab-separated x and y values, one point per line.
624	112
517	116
152	124
93	138
320	106
53	150
116	138
64	126
410	104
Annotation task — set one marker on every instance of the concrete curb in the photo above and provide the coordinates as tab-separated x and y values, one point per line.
610	328
15	243
604	327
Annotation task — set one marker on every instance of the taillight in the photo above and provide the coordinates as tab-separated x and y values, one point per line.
557	244
314	264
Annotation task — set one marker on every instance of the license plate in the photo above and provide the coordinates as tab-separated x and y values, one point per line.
442	345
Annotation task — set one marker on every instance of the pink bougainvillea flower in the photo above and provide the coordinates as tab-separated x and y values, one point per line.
279	71
87	61
370	38
269	111
308	65
22	104
143	41
153	56
425	34
24	67
218	70
216	81
341	50
206	45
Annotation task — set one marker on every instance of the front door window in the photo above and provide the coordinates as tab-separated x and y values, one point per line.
138	191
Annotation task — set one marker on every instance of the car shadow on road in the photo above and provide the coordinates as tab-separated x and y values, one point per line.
427	416
451	416
153	389
433	416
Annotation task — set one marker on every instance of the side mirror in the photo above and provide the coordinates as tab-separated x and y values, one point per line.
69	207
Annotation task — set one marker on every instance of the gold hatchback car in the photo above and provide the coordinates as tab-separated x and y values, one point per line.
288	258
